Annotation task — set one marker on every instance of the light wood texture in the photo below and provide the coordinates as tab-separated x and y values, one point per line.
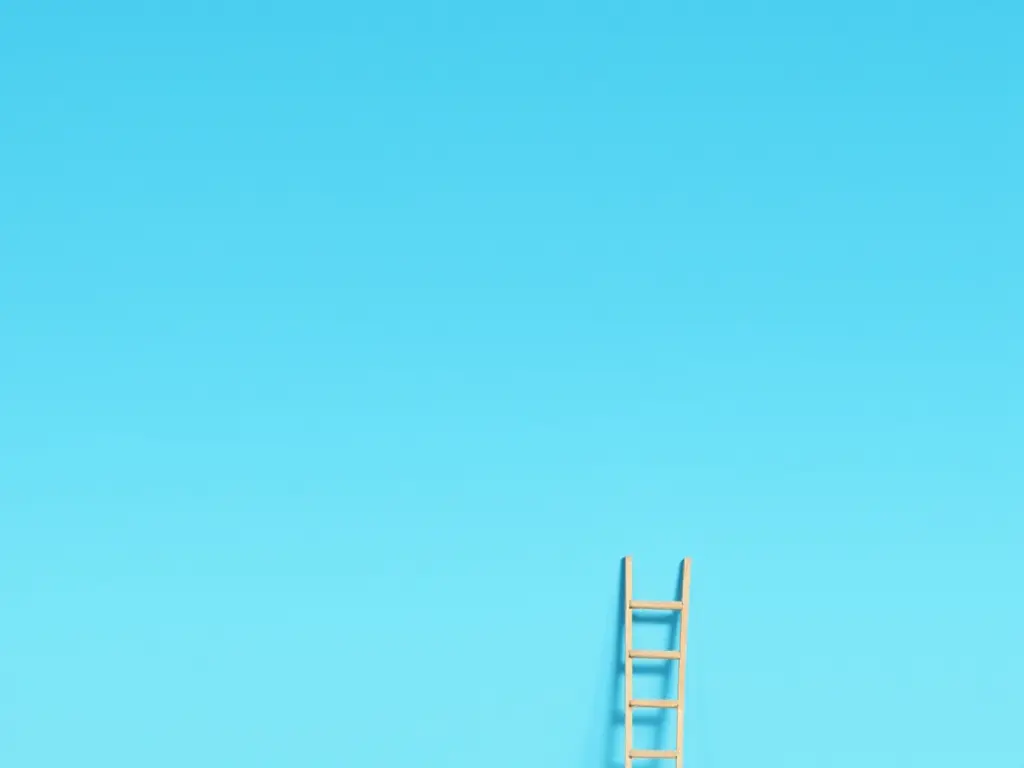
656	605
684	617
654	703
628	682
655	753
683	606
654	654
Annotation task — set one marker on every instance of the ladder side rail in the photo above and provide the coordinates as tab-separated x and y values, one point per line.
628	669
684	616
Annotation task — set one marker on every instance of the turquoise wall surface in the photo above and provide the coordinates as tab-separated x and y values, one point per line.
347	347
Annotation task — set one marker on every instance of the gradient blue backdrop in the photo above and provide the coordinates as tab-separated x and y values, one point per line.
346	348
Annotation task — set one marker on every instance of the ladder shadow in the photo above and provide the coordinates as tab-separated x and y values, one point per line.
659	720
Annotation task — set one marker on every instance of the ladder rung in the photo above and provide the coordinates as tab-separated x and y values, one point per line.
655	753
654	703
656	605
654	655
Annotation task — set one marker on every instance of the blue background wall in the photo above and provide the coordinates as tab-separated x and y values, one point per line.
346	349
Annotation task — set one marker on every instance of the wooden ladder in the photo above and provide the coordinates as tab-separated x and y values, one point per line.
683	606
